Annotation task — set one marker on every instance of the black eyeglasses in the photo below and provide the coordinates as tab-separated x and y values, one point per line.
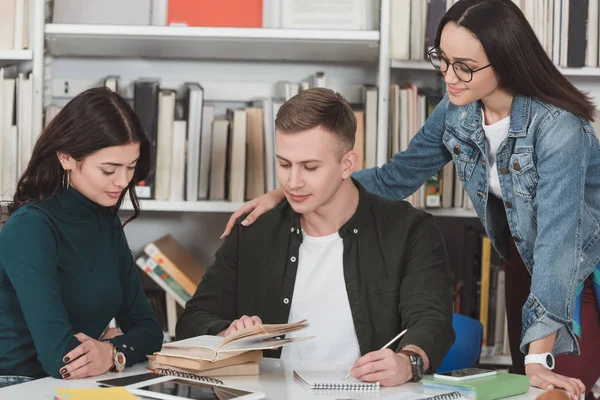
462	70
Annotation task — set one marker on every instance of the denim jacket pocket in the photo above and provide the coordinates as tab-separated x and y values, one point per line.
524	175
464	153
384	295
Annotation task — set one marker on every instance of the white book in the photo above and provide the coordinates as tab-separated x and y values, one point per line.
564	33
7	24
418	26
237	157
159	12
317	14
24	121
164	146
208	116
195	103
271	14
370	100
218	159
19	34
400	30
103	12
9	139
556	32
178	161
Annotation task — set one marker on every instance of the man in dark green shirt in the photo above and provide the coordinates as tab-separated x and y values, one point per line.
359	267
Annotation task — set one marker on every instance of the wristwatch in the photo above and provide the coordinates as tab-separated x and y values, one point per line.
546	359
416	363
119	359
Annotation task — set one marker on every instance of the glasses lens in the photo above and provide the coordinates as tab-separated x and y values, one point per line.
436	60
463	72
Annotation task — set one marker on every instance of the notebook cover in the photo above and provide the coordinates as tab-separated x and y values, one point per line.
489	388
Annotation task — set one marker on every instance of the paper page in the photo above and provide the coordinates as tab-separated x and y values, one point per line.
261	344
205	341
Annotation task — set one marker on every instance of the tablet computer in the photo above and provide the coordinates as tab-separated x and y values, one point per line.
173	388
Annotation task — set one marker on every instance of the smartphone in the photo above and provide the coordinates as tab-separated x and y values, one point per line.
465	374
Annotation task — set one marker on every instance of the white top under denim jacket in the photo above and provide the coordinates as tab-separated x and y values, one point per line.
549	172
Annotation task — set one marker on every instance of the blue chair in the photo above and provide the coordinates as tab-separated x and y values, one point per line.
466	349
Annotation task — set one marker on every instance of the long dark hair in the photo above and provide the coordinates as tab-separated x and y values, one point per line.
93	120
516	54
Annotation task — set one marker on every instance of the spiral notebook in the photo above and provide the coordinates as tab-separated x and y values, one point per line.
187	375
445	396
332	380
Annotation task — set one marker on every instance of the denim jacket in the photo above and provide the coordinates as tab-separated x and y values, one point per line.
549	171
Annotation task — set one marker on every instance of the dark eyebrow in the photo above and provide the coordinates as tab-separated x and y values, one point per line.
301	162
112	164
461	59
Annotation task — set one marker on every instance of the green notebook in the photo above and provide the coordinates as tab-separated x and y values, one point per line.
489	388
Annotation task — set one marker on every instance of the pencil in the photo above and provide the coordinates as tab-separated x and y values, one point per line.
389	343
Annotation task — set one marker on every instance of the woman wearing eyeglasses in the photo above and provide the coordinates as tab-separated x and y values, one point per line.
519	134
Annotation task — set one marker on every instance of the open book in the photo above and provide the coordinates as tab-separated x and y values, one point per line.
215	348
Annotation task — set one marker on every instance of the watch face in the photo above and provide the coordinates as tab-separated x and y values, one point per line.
120	358
549	361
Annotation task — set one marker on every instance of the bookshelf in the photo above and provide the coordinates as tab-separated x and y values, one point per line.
12	56
229	207
66	40
185	206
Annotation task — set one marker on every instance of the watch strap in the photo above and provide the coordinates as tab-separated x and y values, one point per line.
545	359
413	358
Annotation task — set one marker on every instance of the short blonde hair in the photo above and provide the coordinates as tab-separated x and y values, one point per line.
319	107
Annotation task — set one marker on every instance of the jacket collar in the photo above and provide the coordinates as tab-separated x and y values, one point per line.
353	226
470	116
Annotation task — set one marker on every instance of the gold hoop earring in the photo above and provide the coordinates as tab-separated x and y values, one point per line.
66	180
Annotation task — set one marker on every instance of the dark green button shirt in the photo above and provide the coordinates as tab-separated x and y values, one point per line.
396	274
65	268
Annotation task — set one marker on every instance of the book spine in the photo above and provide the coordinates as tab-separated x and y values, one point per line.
160	258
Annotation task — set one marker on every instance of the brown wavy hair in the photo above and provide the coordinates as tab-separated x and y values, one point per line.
93	120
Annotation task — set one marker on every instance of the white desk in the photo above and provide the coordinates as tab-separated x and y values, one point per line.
275	380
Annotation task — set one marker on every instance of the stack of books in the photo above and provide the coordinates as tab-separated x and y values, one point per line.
236	354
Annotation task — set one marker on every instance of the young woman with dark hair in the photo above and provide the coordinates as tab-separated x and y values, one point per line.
65	267
520	137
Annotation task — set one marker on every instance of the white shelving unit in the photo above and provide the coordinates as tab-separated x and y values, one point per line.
185	206
170	42
12	56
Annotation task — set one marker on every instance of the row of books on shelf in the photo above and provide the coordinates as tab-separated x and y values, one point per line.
410	106
479	285
290	14
203	153
567	29
14	24
16	132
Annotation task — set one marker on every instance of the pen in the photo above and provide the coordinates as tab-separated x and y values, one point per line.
390	342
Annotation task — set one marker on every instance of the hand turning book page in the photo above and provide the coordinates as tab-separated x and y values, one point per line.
216	348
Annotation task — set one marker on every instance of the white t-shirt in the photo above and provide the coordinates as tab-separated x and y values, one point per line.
320	297
494	136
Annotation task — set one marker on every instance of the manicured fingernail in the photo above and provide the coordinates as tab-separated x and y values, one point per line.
222	236
245	223
66	376
66	359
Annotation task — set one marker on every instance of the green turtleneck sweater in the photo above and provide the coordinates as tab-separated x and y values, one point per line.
65	268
